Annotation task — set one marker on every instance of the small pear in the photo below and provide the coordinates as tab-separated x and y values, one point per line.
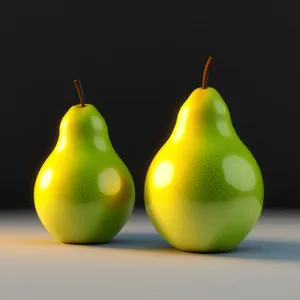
204	189
83	192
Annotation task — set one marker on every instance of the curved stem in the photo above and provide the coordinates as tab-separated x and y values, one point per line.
205	72
78	87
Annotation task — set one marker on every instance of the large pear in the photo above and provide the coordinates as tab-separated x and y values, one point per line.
204	190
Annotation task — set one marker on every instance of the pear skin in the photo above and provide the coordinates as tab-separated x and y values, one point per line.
204	189
83	192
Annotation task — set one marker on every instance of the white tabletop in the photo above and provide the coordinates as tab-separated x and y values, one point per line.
138	264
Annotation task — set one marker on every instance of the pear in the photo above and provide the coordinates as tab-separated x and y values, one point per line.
204	189
83	192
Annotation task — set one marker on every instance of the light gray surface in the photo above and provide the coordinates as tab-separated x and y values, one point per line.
140	265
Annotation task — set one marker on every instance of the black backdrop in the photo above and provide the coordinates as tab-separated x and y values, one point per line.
138	61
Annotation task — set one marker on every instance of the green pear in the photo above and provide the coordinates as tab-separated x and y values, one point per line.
83	192
204	189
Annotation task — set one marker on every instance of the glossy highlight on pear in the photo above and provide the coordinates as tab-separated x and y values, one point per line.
204	189
83	192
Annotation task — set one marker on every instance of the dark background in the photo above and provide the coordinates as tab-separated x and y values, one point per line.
138	61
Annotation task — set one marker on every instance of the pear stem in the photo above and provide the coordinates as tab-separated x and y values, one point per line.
79	90
205	72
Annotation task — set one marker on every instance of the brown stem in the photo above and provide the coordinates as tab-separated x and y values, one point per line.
205	72
78	87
